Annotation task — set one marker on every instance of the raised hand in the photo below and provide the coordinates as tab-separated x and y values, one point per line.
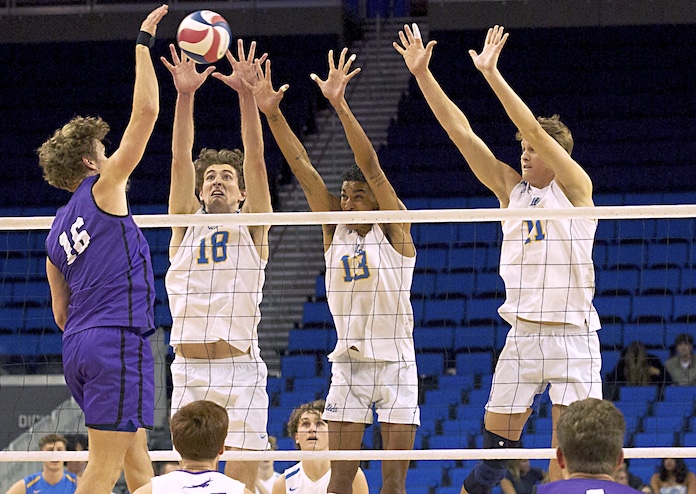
266	98
487	61
149	25
334	87
187	79
242	68
417	57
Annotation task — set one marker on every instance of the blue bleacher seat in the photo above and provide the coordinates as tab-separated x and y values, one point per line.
424	285
483	309
684	308
430	364
30	292
650	334
615	308
423	476
444	312
458	441
163	317
436	233
431	259
471	426
618	279
455	284
680	394
298	366
672	252
374	475
457	477
318	385
609	358
485	233
290	399
665	279
653	439
668	229
652	308
537	440
470	258
474	363
664	423
478	397
626	253
443	397
688	439
632	408
643	229
472	411
316	315
320	287
611	335
475	337
453	383
543	425
646	394
311	340
434	338
40	318
489	284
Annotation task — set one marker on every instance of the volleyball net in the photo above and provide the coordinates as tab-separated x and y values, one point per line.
645	266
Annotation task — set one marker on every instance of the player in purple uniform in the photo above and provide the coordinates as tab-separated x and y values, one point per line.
102	285
590	448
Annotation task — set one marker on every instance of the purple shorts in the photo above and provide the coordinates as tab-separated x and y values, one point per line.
110	373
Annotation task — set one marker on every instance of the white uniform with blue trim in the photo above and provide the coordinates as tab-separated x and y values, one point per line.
549	280
215	286
297	482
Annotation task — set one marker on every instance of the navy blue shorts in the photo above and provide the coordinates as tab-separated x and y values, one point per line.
110	373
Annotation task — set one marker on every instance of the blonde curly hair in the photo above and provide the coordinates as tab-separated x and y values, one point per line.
61	155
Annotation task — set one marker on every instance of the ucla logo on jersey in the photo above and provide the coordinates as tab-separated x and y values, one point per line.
331	407
534	201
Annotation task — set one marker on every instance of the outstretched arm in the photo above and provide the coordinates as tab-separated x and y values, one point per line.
182	190
334	88
569	174
295	154
121	164
318	196
494	174
258	195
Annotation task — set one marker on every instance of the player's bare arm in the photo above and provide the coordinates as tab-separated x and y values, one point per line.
333	88
109	191
494	174
570	176
258	198
182	188
60	294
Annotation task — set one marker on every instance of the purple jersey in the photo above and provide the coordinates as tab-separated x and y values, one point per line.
585	486
106	261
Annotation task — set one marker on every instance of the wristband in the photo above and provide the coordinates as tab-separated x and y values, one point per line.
146	39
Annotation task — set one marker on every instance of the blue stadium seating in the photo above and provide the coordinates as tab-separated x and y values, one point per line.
298	366
430	364
316	315
474	363
311	340
433	338
475	337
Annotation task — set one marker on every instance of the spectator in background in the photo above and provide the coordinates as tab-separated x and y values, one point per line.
522	478
76	442
636	367
53	479
267	475
625	477
682	366
673	477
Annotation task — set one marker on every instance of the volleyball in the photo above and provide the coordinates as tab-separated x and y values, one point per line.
204	36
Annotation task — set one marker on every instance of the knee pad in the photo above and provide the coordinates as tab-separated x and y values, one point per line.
487	473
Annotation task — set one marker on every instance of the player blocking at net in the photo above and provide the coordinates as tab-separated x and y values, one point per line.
216	276
102	284
369	270
546	265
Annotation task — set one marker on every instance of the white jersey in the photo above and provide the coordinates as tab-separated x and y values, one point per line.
215	285
297	482
547	265
185	482
368	287
268	483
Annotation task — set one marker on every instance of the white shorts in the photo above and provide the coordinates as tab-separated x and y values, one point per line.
566	358
356	385
238	384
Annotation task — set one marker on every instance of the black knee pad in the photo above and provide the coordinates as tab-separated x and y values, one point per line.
488	473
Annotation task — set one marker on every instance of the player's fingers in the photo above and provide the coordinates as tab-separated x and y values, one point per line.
240	49
404	40
284	88
352	74
332	65
416	32
252	51
342	58
398	48
429	47
351	59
